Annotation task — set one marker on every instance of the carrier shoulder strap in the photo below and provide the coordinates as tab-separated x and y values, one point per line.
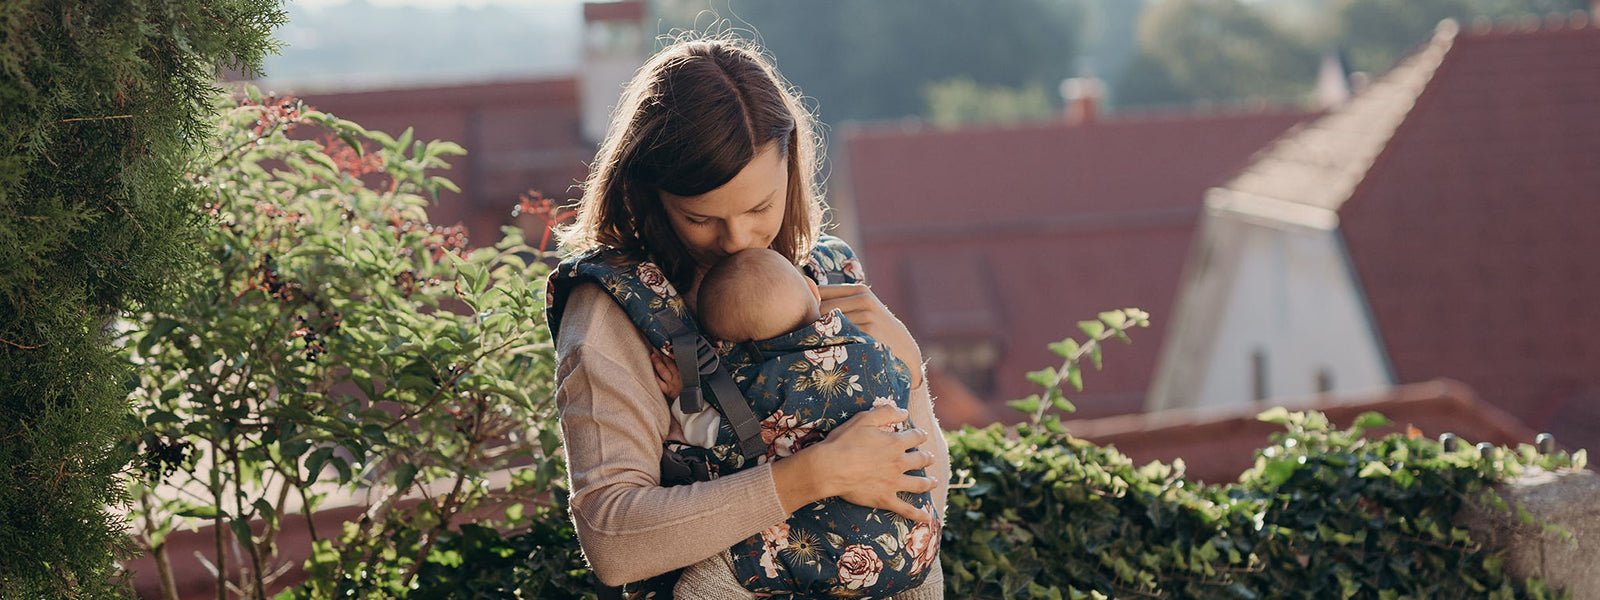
659	313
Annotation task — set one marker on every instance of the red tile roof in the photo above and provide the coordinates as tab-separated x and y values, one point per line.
1217	444
1043	226
1474	232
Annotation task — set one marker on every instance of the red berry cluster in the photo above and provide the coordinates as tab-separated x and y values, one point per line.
275	111
534	203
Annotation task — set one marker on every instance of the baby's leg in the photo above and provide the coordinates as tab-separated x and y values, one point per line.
711	579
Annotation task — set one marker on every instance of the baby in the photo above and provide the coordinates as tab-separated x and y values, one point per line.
806	373
756	295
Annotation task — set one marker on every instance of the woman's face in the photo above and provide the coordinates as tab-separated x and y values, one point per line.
746	212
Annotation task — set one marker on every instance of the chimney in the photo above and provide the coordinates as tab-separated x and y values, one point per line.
1333	82
614	46
1083	96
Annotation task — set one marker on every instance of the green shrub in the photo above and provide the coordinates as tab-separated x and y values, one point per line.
1324	513
336	343
102	103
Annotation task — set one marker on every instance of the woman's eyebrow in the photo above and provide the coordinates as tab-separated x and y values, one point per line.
758	205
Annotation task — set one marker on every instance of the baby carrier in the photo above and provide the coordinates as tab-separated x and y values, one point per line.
775	397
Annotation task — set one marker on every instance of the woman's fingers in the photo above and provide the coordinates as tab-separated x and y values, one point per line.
917	459
905	509
886	415
841	290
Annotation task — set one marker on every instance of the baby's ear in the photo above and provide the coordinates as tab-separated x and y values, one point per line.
815	293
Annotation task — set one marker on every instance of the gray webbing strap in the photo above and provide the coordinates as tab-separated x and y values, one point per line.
702	361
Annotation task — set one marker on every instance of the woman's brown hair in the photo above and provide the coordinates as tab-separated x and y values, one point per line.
693	116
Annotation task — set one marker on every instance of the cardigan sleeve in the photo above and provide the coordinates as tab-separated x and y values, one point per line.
613	422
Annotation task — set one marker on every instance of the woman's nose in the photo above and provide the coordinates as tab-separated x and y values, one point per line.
735	238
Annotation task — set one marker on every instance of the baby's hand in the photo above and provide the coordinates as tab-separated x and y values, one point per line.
666	374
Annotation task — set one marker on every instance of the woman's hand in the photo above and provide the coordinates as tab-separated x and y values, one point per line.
862	461
864	309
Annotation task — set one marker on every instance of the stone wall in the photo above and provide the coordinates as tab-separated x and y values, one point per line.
1569	499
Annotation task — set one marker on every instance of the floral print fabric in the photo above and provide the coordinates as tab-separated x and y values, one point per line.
806	383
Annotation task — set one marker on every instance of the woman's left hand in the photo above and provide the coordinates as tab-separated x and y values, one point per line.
864	309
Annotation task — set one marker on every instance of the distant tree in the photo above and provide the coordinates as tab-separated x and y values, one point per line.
1110	38
1377	33
1214	51
872	59
956	102
101	105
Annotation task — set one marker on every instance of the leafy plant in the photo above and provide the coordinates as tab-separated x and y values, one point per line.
336	342
1325	513
101	104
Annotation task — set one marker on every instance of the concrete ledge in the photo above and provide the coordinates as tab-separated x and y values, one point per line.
1570	499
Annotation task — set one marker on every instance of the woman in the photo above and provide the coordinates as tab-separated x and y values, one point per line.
710	153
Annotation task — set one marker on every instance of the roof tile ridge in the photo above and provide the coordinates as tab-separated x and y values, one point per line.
1367	114
1531	23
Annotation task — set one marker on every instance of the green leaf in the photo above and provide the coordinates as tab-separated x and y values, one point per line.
1277	472
353	143
268	512
1276	414
404	474
1062	404
405	139
1075	377
1374	469
161	416
1045	377
1114	319
1065	348
1028	405
1093	328
315	461
1371	420
241	531
201	512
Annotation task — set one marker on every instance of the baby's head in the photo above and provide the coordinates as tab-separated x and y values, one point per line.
756	294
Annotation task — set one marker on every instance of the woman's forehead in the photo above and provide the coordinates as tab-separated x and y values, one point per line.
766	177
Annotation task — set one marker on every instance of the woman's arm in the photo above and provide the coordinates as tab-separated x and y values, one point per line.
613	422
922	417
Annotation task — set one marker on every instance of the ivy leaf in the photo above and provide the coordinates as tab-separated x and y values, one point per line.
1064	348
1045	377
1028	405
1114	318
1276	414
1276	472
1093	328
1371	420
